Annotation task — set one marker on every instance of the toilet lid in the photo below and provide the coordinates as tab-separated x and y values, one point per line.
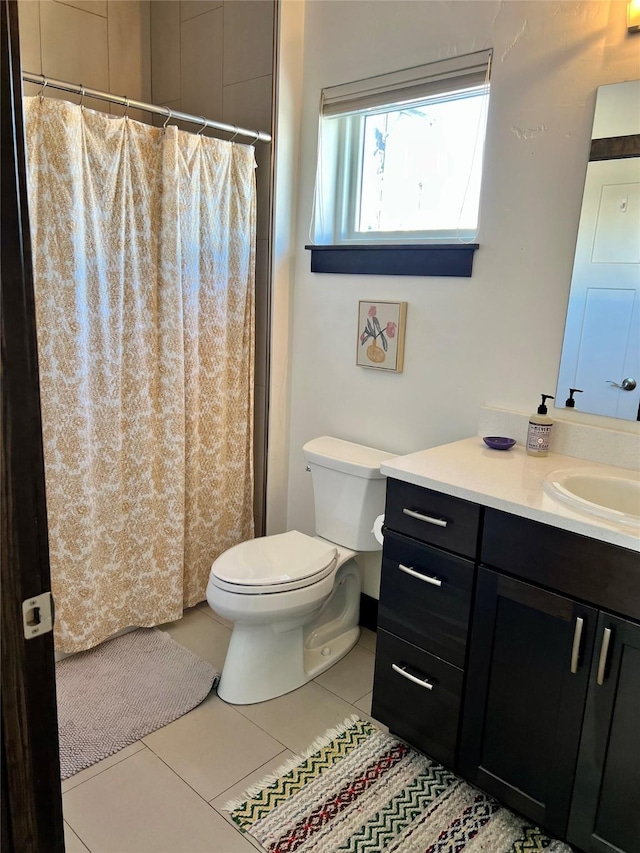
275	561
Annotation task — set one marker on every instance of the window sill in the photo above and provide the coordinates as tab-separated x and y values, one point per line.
439	259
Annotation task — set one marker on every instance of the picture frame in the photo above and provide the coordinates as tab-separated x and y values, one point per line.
381	331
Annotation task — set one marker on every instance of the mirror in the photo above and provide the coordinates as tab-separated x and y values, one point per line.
601	348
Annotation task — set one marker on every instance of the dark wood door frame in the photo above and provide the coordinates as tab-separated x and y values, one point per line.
31	798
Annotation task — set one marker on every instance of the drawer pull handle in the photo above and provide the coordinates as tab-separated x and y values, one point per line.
575	650
405	674
430	519
414	574
604	654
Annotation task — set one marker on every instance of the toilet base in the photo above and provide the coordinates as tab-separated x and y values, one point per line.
316	662
248	681
267	660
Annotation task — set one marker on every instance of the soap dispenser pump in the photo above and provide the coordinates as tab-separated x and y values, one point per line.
539	433
570	403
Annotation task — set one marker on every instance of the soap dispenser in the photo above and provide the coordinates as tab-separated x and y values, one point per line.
570	403
539	433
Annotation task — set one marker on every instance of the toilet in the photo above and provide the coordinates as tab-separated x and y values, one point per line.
294	599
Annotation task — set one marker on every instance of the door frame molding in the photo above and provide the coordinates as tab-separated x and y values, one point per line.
31	795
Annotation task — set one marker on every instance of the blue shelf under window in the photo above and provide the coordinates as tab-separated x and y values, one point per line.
443	259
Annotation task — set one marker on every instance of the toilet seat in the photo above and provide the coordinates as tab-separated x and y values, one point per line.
272	564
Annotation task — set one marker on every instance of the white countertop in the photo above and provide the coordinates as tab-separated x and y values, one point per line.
507	480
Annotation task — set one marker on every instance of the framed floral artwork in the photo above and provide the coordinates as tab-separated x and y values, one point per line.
381	335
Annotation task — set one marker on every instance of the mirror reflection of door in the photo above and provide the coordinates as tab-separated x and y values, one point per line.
602	335
601	349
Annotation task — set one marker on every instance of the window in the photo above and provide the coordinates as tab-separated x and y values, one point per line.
400	157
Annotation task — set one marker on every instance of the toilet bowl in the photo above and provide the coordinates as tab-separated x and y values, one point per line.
294	599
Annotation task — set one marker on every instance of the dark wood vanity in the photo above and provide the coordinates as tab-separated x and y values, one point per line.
509	650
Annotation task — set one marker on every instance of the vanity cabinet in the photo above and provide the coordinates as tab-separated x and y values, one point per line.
509	650
537	661
423	616
532	678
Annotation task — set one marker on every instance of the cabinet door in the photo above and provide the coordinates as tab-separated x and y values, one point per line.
527	682
605	812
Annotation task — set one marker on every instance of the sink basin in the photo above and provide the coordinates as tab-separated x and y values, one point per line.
611	495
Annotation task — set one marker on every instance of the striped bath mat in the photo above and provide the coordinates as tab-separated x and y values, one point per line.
357	789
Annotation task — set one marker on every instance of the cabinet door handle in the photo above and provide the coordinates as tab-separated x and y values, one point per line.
575	650
604	654
430	519
414	574
405	674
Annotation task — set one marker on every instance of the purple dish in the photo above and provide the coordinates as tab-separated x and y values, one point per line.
499	442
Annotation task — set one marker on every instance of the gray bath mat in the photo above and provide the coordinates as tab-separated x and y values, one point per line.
120	691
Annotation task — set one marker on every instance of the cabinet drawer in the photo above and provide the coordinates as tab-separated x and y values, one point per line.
603	574
432	517
425	596
421	702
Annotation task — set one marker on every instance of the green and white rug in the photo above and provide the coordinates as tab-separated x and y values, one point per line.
358	789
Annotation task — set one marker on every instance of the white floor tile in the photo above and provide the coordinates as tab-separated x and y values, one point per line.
363	708
72	843
206	637
152	795
368	639
298	718
352	677
212	746
141	806
364	704
240	787
257	775
100	766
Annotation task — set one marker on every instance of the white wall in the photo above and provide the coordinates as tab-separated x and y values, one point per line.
287	123
493	338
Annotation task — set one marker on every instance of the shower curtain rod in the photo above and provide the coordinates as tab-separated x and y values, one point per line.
84	91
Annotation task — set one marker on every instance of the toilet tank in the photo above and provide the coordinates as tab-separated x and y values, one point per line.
348	489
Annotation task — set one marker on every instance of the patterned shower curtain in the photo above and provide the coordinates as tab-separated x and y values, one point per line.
144	258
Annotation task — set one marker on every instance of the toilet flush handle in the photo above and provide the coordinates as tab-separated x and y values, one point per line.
308	468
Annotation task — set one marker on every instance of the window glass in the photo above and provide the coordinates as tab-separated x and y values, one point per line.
420	167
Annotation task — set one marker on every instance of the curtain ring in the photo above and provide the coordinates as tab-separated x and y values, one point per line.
257	137
45	83
126	107
168	119
82	94
237	129
204	124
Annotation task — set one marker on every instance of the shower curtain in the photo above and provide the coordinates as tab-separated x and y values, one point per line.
144	259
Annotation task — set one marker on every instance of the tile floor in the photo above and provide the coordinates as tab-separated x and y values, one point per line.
166	792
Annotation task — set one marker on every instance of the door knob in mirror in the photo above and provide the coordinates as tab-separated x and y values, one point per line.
627	384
